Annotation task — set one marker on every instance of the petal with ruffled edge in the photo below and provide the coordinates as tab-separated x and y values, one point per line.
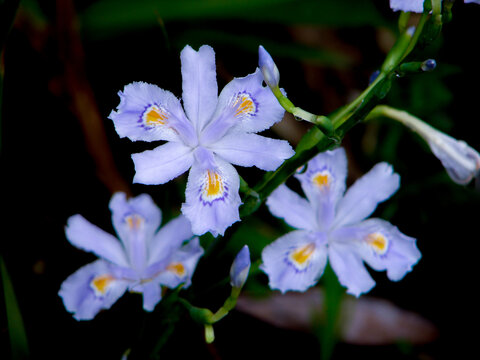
295	210
90	289
253	150
382	246
349	268
147	112
324	184
295	261
212	198
199	84
162	164
407	5
362	198
182	265
84	235
245	106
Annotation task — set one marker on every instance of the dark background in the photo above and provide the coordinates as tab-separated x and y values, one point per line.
64	64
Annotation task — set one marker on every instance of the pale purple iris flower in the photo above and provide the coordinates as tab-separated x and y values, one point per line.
415	5
332	225
209	134
142	259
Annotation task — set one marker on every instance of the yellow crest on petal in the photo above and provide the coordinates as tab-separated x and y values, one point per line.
213	186
300	257
377	242
244	104
101	283
155	116
177	268
321	179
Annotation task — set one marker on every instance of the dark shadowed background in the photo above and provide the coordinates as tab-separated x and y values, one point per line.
65	61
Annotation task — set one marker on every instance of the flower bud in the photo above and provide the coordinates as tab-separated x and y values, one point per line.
429	65
240	268
460	160
270	72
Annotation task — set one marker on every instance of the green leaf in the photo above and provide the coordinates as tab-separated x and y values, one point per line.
16	330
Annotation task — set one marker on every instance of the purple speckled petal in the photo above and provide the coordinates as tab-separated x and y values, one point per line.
147	112
212	198
256	108
295	261
162	164
199	84
82	298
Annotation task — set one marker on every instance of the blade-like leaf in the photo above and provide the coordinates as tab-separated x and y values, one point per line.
16	330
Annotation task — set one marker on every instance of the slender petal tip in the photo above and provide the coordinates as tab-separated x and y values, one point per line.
267	66
240	268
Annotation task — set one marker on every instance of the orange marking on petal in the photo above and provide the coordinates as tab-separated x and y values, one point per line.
378	242
301	255
177	268
245	104
321	180
101	283
214	185
134	221
155	116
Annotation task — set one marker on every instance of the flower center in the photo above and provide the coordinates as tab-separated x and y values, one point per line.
377	242
101	283
300	257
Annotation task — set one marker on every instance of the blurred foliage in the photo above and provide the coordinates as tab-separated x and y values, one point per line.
109	17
